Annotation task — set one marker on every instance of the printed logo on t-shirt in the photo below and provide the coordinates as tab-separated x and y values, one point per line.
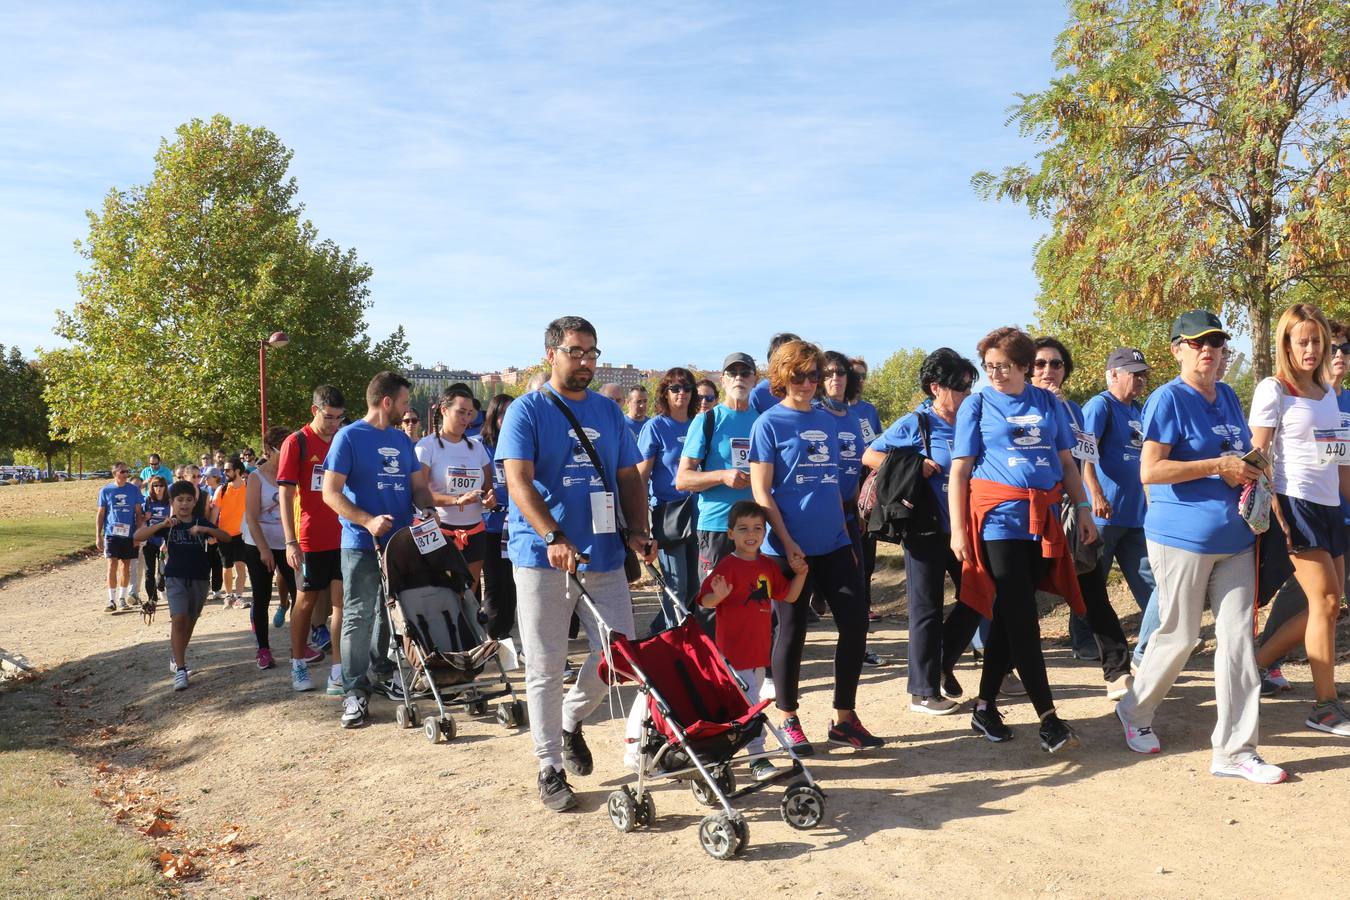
829	478
848	445
760	594
1232	435
579	454
390	460
817	446
574	480
1026	431
119	500
805	479
1136	433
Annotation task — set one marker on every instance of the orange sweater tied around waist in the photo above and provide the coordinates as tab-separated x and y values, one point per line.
977	583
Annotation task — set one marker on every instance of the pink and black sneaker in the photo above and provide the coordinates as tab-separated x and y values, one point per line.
796	738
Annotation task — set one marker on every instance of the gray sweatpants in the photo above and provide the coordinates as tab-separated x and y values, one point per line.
1185	580
544	606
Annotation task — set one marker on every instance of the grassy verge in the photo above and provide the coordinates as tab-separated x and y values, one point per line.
55	839
41	524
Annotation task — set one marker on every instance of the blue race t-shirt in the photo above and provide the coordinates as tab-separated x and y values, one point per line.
662	439
804	453
1343	401
1119	429
869	423
536	430
121	504
761	398
495	521
1015	439
848	438
156	511
634	425
379	464
1200	515
730	450
904	434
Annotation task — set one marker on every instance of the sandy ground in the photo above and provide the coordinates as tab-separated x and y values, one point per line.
381	812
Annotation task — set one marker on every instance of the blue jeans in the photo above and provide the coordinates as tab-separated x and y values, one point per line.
1128	547
679	565
365	626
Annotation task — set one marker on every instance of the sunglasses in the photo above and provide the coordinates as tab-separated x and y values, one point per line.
1055	364
836	373
739	372
707	398
1209	340
803	377
1341	348
680	388
412	421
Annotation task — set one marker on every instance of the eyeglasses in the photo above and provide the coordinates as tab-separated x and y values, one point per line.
707	398
1055	364
680	388
998	368
1140	376
739	372
122	472
1209	340
579	353
803	377
836	373
1343	349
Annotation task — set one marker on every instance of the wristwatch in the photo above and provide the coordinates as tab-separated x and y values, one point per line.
554	537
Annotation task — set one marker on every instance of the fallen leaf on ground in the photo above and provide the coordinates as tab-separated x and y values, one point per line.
156	828
176	866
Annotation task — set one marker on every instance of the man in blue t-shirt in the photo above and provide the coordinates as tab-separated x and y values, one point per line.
636	415
155	467
1115	419
119	515
761	398
566	515
373	481
718	470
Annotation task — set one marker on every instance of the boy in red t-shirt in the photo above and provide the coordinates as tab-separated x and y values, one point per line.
740	590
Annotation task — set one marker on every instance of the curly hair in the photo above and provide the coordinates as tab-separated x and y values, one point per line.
677	375
790	358
945	367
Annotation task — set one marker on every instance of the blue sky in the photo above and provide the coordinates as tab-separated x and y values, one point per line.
691	177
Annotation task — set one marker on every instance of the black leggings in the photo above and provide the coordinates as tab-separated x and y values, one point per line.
217	566
1105	624
837	578
260	579
150	553
934	645
499	589
1015	636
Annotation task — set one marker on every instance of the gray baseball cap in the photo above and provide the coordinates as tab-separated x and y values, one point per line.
743	359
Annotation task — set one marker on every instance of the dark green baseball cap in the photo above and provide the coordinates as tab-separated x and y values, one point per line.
1197	323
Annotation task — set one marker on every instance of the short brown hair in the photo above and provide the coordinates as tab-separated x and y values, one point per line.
385	384
1337	327
790	358
676	375
1012	342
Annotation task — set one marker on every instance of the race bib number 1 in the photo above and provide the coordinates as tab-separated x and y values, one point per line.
316	478
461	480
1332	449
602	513
427	535
1085	447
740	454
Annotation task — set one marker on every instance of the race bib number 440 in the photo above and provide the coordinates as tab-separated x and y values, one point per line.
1332	446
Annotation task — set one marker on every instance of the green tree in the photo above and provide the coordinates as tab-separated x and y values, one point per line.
186	275
1195	154
893	387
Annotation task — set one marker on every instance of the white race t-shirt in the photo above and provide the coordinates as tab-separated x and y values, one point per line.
1299	471
455	467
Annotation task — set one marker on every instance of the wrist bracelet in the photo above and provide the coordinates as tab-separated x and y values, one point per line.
1083	504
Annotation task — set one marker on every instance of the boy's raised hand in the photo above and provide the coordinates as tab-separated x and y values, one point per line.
720	589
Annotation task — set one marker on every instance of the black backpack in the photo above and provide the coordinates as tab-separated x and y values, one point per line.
902	504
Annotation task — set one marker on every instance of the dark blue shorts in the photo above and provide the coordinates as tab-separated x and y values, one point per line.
1313	526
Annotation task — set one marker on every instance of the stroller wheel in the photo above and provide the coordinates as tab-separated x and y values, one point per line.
432	729
505	715
402	718
705	795
623	809
522	712
477	707
803	806
448	727
415	716
742	831
646	810
719	836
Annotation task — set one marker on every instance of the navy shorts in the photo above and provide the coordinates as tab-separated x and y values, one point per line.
1313	526
319	569
115	547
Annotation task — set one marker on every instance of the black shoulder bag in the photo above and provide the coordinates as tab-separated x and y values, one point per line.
673	521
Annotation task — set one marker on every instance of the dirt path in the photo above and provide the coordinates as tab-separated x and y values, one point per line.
380	812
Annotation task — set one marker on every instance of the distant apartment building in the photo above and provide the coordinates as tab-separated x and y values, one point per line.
624	376
438	377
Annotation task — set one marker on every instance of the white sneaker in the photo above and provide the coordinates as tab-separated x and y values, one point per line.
300	680
1140	740
122	603
180	680
1253	768
767	691
1117	688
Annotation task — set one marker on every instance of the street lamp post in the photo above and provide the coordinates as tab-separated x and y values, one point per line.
277	339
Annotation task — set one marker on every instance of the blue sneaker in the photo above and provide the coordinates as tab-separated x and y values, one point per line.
279	617
319	637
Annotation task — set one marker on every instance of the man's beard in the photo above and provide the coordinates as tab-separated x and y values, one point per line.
578	380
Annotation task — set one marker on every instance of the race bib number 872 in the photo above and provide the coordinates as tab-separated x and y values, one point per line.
427	535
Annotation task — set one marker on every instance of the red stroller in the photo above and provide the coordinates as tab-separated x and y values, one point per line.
698	719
